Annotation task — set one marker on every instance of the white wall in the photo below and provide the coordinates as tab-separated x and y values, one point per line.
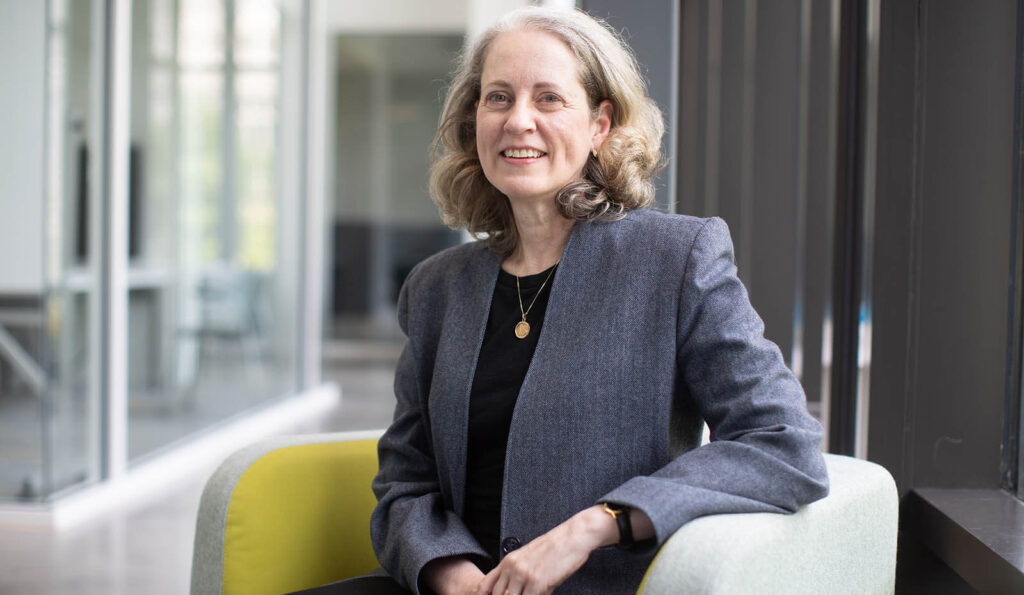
347	16
418	16
22	129
484	13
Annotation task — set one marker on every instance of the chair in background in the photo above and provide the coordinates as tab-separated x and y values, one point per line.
225	319
293	513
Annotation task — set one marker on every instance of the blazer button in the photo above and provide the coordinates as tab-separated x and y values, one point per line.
509	545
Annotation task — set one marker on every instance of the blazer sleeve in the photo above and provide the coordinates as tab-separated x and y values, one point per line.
411	524
764	454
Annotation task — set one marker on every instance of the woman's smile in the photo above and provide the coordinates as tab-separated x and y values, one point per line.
522	154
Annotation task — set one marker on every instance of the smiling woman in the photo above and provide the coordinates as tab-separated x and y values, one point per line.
551	394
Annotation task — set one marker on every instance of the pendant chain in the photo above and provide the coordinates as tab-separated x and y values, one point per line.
523	327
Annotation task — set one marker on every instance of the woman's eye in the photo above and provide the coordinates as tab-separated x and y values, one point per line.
497	98
550	98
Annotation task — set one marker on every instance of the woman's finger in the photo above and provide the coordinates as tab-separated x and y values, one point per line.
487	583
500	584
515	586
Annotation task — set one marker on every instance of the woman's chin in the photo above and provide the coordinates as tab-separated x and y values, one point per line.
530	197
527	191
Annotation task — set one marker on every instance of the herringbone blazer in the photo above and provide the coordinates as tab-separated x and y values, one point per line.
648	332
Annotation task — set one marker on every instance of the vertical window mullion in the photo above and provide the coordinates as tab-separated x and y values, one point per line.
1012	468
229	129
113	248
312	210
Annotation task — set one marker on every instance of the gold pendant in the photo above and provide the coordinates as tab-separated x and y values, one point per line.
522	329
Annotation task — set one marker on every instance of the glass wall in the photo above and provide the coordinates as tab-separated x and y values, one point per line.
72	231
215	195
211	320
49	411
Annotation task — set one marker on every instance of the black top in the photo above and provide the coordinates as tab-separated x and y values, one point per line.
500	371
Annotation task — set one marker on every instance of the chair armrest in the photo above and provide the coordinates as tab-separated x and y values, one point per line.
286	514
843	543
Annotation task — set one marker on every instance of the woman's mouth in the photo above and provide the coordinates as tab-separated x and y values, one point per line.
523	153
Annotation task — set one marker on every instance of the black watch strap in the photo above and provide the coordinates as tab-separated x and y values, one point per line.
621	516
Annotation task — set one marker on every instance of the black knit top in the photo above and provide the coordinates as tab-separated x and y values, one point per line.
504	360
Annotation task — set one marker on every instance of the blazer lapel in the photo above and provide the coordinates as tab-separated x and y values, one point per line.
570	287
469	303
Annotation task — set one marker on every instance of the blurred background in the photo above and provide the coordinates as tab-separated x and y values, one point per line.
208	208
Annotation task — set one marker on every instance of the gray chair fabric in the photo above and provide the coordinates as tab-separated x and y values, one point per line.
844	543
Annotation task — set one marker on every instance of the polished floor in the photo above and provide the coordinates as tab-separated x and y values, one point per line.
149	550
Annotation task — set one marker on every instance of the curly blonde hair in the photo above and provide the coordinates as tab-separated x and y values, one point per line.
620	178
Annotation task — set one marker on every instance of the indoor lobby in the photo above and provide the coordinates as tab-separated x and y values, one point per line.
209	207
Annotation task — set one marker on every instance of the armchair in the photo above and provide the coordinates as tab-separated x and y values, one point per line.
292	513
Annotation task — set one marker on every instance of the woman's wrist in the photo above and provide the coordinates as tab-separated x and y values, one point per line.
598	527
604	530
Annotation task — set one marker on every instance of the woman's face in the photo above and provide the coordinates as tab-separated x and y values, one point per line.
534	129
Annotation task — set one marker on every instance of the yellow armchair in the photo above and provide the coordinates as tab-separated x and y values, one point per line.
293	513
287	514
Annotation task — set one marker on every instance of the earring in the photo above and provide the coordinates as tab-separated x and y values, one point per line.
593	152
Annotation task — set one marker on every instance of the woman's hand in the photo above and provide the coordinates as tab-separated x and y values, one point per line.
547	561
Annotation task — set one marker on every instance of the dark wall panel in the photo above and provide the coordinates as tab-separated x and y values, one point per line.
773	230
819	217
942	242
732	167
896	200
757	148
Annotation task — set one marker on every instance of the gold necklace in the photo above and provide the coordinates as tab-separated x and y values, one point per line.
523	327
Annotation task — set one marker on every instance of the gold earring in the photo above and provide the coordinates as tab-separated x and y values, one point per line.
593	152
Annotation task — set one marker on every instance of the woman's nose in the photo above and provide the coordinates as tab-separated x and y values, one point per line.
520	118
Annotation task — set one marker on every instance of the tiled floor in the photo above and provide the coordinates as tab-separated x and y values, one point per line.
149	551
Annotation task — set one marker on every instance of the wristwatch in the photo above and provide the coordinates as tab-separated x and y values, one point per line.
621	516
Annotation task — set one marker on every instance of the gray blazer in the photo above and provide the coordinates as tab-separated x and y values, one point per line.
648	331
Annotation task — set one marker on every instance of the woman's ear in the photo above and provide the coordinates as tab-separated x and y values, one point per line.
602	123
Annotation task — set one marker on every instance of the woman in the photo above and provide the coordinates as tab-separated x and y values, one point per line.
550	397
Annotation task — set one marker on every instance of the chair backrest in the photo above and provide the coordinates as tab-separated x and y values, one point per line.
283	516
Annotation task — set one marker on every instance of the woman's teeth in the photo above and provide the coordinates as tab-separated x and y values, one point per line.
522	153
